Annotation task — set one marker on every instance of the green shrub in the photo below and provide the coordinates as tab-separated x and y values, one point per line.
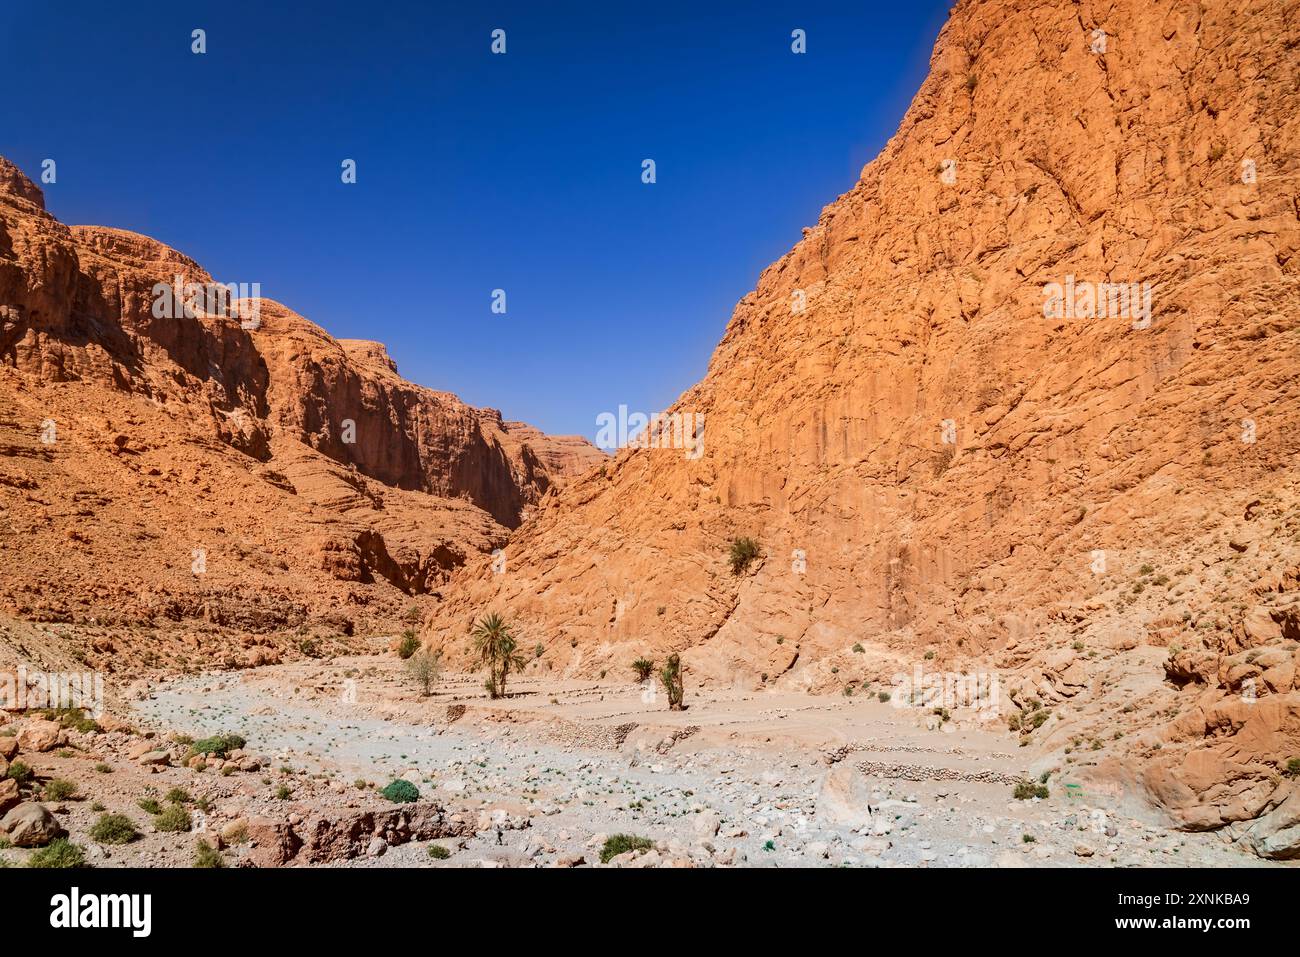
103	768
59	789
1293	768
1026	789
114	829
20	772
424	667
858	649
409	645
219	745
71	718
671	677
205	855
59	853
884	696
621	844
743	551
178	796
401	792
283	792
643	668
174	818
149	806
438	852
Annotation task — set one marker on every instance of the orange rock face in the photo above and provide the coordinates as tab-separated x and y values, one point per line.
1044	352
255	475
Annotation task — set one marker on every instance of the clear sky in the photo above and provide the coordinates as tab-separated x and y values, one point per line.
475	171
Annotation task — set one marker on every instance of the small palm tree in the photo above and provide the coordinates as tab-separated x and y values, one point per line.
643	667
496	647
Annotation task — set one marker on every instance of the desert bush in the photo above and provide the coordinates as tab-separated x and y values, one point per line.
59	789
401	792
438	852
71	718
1026	789
59	853
643	668
174	818
743	551
205	855
102	768
423	667
20	772
114	829
219	745
178	796
621	844
409	644
149	806
671	676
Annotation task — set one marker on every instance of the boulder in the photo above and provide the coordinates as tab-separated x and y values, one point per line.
30	825
8	793
843	798
1276	835
39	734
272	843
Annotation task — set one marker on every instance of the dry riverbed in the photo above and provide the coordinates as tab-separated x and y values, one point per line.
545	776
753	779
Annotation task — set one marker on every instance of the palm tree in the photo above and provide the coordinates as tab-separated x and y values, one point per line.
496	647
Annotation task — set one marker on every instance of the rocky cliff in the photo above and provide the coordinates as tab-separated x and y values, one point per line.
1022	400
230	463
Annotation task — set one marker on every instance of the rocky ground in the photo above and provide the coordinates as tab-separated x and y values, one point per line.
546	776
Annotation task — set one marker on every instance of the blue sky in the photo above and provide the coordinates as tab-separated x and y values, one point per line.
474	171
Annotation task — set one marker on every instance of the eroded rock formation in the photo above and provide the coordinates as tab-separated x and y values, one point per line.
950	453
